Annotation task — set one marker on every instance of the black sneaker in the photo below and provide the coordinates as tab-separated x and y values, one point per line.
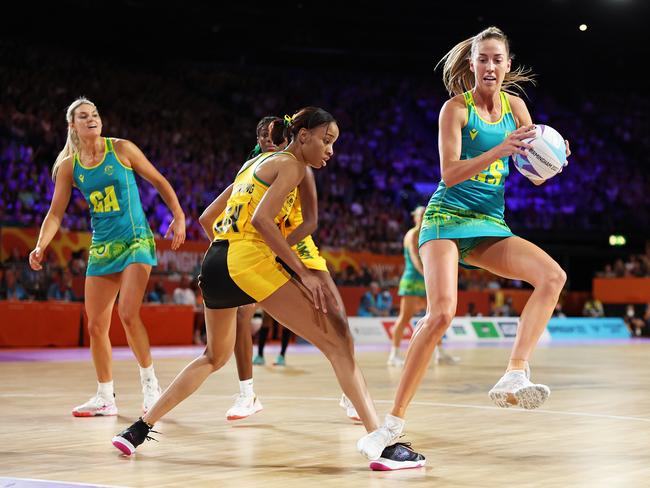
127	440
398	456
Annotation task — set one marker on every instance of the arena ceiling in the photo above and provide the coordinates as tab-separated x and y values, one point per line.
400	35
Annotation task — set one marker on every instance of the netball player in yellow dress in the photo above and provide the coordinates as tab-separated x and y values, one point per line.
240	268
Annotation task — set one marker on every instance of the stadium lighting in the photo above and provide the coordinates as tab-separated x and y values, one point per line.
617	240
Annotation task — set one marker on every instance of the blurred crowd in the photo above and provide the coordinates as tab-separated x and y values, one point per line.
634	266
196	123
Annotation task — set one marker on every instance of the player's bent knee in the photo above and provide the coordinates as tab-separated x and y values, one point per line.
435	324
553	280
442	313
336	345
558	278
217	360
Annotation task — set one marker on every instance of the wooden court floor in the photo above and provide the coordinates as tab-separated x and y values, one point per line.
593	432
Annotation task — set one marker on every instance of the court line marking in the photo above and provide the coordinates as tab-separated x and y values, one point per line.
479	407
420	403
52	482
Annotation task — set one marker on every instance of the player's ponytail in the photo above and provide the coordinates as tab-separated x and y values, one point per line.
306	118
279	131
456	75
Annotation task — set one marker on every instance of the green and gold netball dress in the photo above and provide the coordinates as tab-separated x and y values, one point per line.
473	210
412	282
121	234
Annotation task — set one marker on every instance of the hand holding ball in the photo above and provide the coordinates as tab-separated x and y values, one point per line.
546	157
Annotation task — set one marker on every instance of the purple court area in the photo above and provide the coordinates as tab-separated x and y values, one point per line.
124	353
31	483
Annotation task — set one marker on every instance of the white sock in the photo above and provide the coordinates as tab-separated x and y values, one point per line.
246	388
147	374
105	390
394	351
395	424
518	371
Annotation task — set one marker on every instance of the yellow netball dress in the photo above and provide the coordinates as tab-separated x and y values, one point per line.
306	249
239	267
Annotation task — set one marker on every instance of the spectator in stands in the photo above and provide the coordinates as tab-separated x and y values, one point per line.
15	257
374	303
350	276
635	323
619	268
608	272
507	310
471	310
172	270
61	286
78	263
366	275
593	308
12	289
157	293
493	308
493	283
646	319
386	304
183	294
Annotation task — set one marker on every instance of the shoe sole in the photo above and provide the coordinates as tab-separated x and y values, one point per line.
528	397
91	414
123	445
240	417
449	362
382	464
532	397
500	398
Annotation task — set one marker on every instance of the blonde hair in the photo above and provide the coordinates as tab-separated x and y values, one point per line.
72	141
456	73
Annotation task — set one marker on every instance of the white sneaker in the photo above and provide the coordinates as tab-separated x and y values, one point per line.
350	411
97	406
514	388
151	393
445	358
244	406
373	444
395	361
